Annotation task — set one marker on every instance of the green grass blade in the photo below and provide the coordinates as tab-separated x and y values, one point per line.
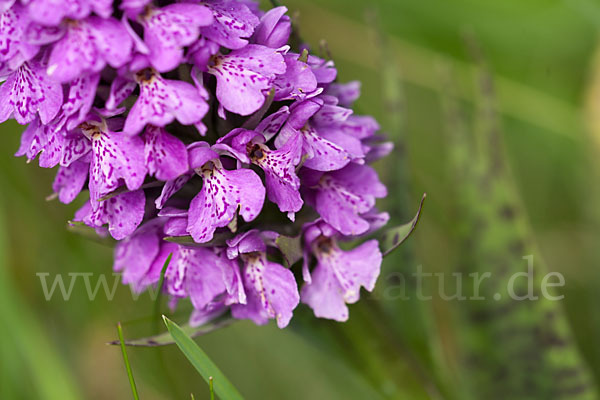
127	365
203	364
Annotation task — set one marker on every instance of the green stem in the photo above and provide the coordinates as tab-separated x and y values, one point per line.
127	365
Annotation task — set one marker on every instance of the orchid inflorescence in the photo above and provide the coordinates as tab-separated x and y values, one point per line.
200	136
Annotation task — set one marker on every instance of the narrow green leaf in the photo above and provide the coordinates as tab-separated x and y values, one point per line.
180	239
219	239
127	365
160	287
165	339
290	247
394	237
123	189
211	387
304	56
162	276
203	364
79	228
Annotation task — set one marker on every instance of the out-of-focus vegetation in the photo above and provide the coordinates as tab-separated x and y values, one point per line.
499	188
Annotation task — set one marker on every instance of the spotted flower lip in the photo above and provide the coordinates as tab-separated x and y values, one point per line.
87	47
45	140
224	193
339	274
271	289
161	101
70	180
165	155
197	273
244	76
341	196
14	27
196	134
233	23
122	213
116	158
28	92
279	166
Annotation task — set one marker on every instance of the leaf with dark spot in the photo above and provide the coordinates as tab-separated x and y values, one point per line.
290	247
394	237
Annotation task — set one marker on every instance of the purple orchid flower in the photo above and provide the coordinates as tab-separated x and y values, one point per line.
340	197
207	314
139	257
346	93
133	8
245	76
223	194
202	52
339	275
14	46
271	289
324	70
322	153
233	23
270	125
202	275
28	92
79	100
120	89
52	12
165	156
279	166
377	148
176	221
90	80
88	46
45	139
6	4
116	158
161	101
171	187
69	181
123	213
169	29
297	82
76	146
274	28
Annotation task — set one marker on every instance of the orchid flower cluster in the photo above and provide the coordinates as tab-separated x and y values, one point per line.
206	144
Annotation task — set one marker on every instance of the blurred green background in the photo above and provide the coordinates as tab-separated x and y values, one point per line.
413	59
